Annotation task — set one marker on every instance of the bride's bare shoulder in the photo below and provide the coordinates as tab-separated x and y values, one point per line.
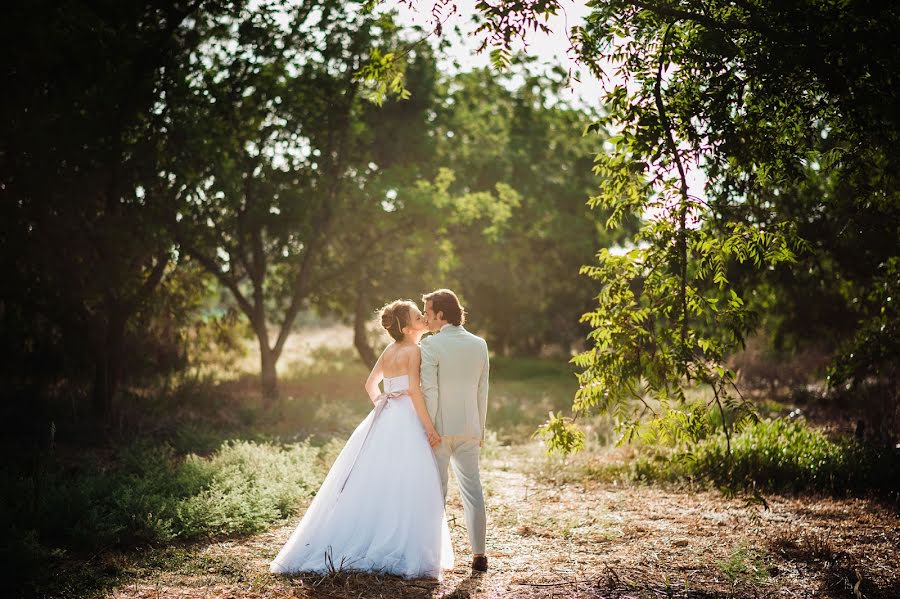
407	353
412	348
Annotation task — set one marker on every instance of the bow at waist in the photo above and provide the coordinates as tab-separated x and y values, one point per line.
391	395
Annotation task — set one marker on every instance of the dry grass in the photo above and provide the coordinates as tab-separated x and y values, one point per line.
600	540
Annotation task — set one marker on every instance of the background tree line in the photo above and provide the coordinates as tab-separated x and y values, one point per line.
195	156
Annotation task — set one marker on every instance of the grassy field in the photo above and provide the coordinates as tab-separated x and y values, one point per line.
206	483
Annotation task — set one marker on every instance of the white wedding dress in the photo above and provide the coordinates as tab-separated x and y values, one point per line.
389	517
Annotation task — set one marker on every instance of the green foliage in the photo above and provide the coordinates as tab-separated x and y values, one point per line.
247	486
508	20
744	566
80	236
268	135
794	124
506	138
383	77
150	495
666	313
475	183
782	455
873	350
560	435
718	88
656	327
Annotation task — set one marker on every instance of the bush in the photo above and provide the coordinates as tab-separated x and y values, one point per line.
783	455
151	495
249	486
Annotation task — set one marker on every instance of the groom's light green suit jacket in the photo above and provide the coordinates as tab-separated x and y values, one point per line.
454	378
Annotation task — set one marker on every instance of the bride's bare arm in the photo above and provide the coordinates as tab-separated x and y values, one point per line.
415	391
375	377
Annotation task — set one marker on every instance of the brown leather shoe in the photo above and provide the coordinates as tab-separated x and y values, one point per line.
479	563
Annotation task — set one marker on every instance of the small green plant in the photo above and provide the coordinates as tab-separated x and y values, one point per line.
559	434
787	454
744	566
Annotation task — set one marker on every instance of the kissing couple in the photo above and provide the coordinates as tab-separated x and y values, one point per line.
380	509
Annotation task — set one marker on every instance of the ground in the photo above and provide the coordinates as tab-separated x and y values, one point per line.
585	539
554	529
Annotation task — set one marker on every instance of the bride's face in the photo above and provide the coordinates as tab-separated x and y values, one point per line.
416	321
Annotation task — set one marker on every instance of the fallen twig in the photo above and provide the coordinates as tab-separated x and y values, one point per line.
551	584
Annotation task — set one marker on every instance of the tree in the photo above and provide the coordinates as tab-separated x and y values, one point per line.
79	237
383	241
265	125
491	130
477	187
782	109
521	278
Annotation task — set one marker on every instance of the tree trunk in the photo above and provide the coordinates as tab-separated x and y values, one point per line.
268	373
360	339
366	353
108	368
104	388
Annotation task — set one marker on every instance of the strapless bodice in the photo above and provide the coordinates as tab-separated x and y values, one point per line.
396	383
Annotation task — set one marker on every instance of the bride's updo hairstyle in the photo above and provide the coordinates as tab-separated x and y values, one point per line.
395	316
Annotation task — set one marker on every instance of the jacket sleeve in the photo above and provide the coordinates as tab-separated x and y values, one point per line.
428	376
483	389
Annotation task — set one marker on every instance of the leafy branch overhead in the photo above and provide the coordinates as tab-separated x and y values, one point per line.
382	76
745	94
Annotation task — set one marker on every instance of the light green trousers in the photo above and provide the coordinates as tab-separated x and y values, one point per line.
464	453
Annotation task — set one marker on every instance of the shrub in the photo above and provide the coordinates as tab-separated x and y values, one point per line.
150	495
784	455
249	486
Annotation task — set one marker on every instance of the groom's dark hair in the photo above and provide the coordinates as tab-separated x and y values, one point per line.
444	300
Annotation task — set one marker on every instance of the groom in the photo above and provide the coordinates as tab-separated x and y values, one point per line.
454	381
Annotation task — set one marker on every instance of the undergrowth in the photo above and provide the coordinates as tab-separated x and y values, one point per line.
772	455
148	496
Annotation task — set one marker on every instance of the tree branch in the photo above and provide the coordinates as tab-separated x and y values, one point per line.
210	265
685	15
681	242
150	283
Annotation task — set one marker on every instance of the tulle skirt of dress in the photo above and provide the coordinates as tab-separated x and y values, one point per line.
390	516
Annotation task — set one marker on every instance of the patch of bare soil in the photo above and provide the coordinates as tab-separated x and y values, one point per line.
594	540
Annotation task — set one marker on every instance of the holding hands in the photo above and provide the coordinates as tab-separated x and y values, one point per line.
434	439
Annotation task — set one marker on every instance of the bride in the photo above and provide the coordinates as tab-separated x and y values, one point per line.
380	508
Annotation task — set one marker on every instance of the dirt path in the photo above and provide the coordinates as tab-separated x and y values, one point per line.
604	540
